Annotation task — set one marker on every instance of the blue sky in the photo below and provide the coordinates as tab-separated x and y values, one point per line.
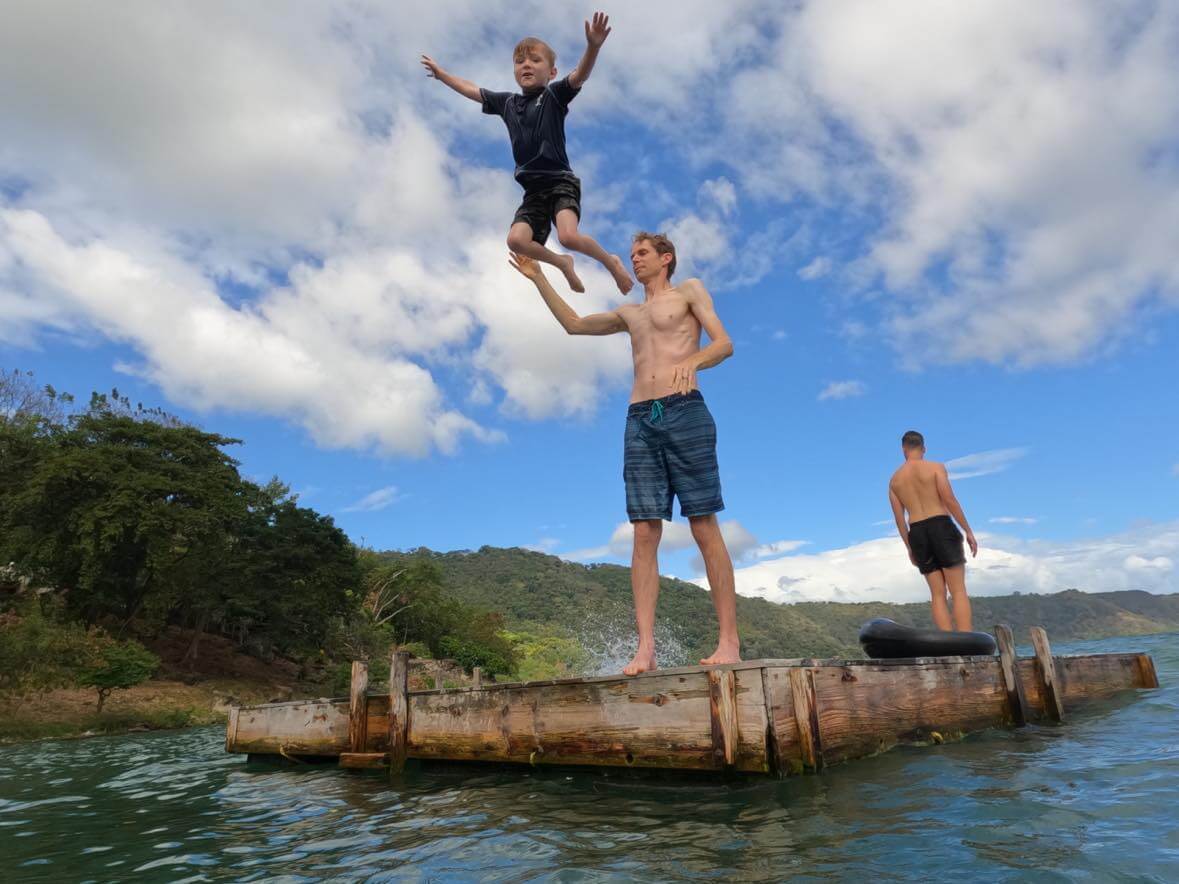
294	238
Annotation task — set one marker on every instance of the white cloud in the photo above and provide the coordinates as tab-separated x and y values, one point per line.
879	569
1014	520
544	545
842	390
375	500
817	269
984	463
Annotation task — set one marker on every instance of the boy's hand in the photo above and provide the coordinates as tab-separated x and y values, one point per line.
597	31
526	266
972	543
433	69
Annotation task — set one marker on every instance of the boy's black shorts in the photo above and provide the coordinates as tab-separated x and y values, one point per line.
543	202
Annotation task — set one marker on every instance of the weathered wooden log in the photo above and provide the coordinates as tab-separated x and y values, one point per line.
477	677
358	707
806	715
1050	682
398	728
751	717
1011	680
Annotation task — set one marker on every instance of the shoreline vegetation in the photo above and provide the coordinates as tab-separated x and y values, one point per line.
145	583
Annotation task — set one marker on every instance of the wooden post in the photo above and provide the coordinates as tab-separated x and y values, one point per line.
477	677
1147	677
358	707
722	702
1050	684
1009	664
398	710
773	763
806	714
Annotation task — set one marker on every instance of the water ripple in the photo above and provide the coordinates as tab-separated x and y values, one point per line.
1091	801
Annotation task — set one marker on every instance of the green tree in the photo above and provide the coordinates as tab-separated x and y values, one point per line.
118	665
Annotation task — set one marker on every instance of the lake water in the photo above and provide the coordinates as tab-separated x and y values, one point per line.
1094	800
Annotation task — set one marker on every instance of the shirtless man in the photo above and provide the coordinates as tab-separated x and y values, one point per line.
922	488
670	443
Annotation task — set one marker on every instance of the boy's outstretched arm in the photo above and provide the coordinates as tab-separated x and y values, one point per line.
594	324
458	84
596	32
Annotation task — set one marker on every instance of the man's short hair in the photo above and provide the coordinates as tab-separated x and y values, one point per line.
912	439
535	43
662	245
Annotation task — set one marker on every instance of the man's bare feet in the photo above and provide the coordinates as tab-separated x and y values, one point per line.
724	653
644	661
566	266
621	276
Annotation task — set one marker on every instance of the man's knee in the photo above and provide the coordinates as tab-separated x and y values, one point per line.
648	532
704	528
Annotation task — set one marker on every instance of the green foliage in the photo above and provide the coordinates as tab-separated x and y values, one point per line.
117	666
38	651
544	653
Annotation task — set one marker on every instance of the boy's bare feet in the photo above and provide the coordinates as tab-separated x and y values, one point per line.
565	265
724	653
644	661
618	271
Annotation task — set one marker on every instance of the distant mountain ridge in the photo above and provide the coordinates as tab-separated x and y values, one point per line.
534	588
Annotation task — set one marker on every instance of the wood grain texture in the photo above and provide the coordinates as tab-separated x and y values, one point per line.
364	760
358	707
1008	663
1049	681
722	702
398	715
806	717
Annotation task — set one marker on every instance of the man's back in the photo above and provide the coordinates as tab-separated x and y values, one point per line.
916	483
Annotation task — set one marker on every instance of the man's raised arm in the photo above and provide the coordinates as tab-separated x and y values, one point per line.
720	346
594	324
458	84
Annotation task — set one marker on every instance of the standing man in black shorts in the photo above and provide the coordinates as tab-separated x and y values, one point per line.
670	440
921	488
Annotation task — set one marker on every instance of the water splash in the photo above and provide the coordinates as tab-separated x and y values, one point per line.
608	636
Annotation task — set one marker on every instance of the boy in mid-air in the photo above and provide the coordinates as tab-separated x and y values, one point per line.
922	489
536	125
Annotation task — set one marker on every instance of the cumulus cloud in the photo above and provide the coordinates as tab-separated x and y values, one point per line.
1014	520
375	500
879	570
842	390
984	463
294	186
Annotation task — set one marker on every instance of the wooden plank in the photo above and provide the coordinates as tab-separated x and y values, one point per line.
806	716
358	707
653	722
1008	663
1053	701
867	708
299	728
722	703
364	760
398	724
477	678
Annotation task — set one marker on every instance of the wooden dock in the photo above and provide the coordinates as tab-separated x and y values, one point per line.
758	716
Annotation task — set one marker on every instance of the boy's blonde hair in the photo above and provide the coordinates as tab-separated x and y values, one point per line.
663	246
535	43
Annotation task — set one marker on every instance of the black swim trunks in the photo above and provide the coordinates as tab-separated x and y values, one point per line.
936	543
542	202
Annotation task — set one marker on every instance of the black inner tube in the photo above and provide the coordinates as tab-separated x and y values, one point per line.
889	640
